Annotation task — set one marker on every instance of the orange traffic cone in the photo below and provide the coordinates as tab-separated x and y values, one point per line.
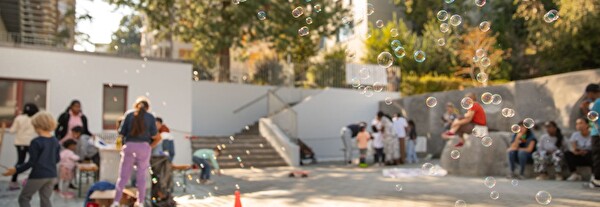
238	201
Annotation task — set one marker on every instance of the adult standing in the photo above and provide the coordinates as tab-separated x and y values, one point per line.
69	119
138	128
25	132
401	127
386	127
594	90
348	133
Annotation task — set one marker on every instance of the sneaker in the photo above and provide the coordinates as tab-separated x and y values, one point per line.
460	144
14	186
542	177
209	182
574	177
559	177
71	186
594	183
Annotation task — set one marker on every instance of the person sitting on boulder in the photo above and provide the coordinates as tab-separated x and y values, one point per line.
549	151
580	148
520	151
474	116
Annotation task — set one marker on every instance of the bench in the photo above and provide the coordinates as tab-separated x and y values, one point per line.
183	170
88	170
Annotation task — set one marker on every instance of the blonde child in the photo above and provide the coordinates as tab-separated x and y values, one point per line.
44	155
362	140
68	161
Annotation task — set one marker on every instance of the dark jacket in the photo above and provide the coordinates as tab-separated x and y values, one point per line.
63	125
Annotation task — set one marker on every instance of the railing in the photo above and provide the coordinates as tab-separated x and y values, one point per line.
28	39
283	115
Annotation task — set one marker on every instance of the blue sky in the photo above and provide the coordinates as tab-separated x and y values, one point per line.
105	21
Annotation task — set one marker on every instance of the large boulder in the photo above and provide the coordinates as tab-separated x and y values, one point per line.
476	159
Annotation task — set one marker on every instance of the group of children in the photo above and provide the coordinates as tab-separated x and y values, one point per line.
377	139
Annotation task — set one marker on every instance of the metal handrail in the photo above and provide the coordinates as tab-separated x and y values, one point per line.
257	99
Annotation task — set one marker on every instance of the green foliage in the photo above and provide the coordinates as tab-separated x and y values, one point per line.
126	40
331	71
268	72
417	84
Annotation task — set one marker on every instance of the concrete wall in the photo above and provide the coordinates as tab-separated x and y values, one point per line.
82	76
548	98
215	103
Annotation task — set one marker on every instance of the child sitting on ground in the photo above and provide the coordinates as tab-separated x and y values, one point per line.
44	155
68	160
362	140
379	155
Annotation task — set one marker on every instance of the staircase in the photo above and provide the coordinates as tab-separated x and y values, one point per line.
252	149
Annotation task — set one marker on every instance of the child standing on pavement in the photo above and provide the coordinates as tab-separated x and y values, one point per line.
362	140
378	144
68	161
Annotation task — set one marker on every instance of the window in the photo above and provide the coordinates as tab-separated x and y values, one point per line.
114	105
14	94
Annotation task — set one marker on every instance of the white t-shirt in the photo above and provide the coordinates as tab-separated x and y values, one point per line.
583	143
377	140
547	143
400	125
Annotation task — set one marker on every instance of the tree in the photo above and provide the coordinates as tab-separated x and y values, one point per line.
474	40
126	40
331	71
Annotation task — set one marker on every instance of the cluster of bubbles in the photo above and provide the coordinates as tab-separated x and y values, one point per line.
508	112
551	16
481	58
489	98
368	90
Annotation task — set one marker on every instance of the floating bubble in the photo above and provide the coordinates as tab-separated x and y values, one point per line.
478	132
449	1
480	53
388	101
237	186
431	101
369	91
508	112
515	128
378	87
494	195
592	116
370	9
428	169
394	32
455	20
442	15
261	15
482	77
455	154
484	26
551	16
420	56
466	103
385	59
528	123
441	42
490	182
297	12
395	44
346	20
379	23
475	59
459	203
361	90
355	82
480	3
514	182
485	62
399	52
486	98
235	1
366	35
114	99
486	141
309	20
444	27
303	31
398	187
317	8
543	197
496	99
363	73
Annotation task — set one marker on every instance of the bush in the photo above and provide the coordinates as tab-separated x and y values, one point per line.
412	84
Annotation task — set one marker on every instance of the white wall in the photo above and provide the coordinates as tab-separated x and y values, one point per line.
215	103
82	76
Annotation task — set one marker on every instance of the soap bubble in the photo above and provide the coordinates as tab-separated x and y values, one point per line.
369	91
317	8
442	15
478	132
394	32
482	77
449	1
398	187
455	154
484	26
262	15
428	169
528	123
235	1
515	128
485	62
466	103
480	3
444	27
431	101
378	87
379	23
551	16
459	203
309	20
385	59
399	52
592	116
486	141
355	82
388	101
543	197
303	31
508	112
496	99
514	182
475	59
486	98
480	53
361	89
363	73
395	44
370	9
490	182
494	195
441	42
455	20
420	56
366	35
297	12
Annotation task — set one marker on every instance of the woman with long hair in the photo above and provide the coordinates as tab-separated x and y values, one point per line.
549	152
72	117
520	151
25	132
138	129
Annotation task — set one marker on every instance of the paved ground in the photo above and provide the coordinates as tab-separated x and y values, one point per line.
334	185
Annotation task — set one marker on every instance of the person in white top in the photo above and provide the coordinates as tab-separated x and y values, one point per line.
549	152
378	145
579	149
25	132
400	127
385	126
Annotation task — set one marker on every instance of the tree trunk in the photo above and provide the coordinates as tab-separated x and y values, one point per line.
224	65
